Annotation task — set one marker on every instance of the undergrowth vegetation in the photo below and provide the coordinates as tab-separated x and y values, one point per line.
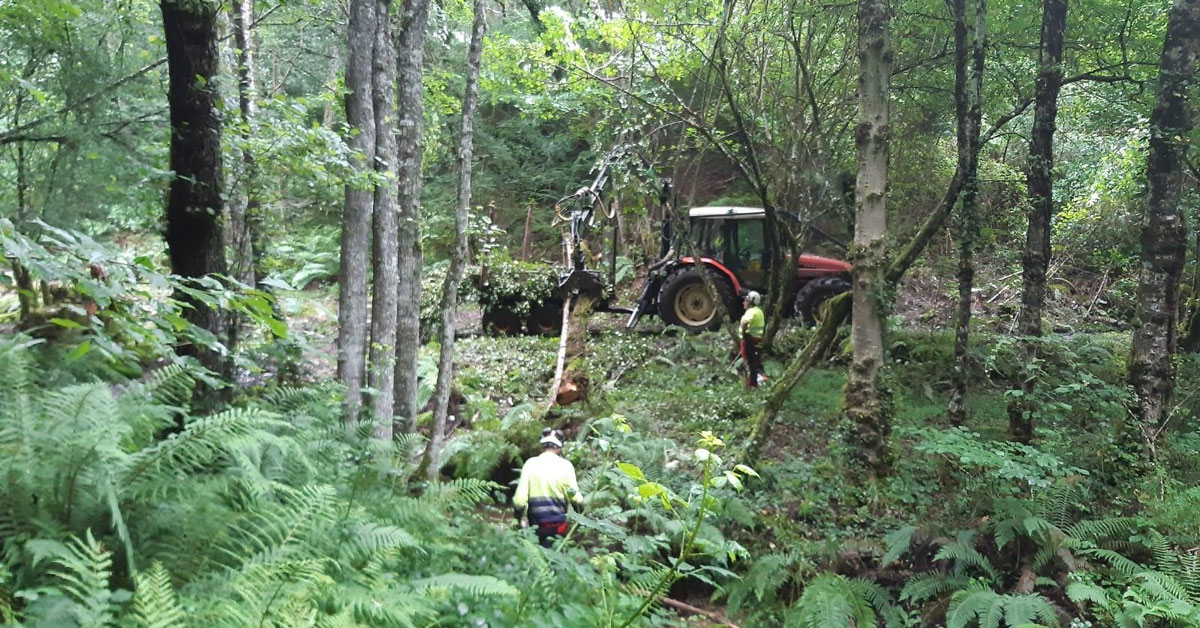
125	505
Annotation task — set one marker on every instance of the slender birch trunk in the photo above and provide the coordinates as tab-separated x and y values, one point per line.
445	379
969	48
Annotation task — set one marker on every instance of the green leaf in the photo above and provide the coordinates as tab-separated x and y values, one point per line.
79	351
632	471
741	468
734	480
64	322
650	489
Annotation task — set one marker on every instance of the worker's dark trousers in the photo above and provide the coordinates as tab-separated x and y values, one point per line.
753	362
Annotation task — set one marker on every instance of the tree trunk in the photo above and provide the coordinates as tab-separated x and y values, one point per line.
1036	259
528	233
24	281
1164	228
445	379
382	364
410	60
195	238
246	200
356	215
968	82
867	403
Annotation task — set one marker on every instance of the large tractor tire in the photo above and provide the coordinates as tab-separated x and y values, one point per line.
687	302
501	322
811	299
545	319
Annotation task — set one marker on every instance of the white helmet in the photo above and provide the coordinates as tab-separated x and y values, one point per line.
551	438
753	297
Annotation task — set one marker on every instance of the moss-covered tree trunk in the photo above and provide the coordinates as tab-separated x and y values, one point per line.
1040	207
576	384
195	233
410	69
1164	228
445	378
356	212
969	45
381	367
867	403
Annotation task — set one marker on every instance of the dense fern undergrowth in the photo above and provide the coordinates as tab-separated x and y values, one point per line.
123	507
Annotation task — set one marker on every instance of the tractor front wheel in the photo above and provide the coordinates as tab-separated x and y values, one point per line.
686	301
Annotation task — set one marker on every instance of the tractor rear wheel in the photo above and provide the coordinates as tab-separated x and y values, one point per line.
501	322
545	319
687	302
811	299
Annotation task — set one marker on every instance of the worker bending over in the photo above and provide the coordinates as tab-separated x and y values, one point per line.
546	487
751	331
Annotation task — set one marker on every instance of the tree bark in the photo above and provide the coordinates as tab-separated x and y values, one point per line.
195	238
867	403
445	379
969	48
356	214
244	218
385	287
24	281
410	62
1164	227
1036	259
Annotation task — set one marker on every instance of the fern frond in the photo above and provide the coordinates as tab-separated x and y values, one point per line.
154	602
367	538
171	385
1165	559
276	533
898	543
1081	592
1025	609
1099	529
478	586
963	554
932	585
831	601
198	445
288	398
975	603
1162	587
82	568
1117	561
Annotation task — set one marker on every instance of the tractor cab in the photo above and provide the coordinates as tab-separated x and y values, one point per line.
735	238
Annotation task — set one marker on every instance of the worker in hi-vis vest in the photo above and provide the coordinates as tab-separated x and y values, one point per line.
751	331
547	486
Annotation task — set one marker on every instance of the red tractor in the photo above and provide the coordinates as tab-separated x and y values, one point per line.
731	243
732	247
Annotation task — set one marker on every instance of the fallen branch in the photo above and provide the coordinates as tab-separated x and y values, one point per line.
562	355
693	610
817	348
